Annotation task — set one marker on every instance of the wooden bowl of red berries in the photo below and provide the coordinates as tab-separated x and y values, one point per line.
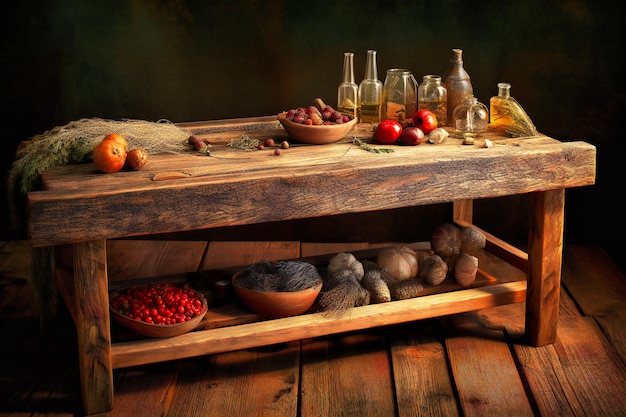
158	310
316	125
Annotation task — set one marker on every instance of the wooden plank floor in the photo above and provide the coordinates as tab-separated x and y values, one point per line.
472	364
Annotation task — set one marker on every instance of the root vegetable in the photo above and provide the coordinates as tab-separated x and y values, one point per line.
433	270
377	287
403	290
336	301
466	269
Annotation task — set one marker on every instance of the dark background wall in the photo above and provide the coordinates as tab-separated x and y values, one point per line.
186	60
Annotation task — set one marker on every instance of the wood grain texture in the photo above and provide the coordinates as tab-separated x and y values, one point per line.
423	385
237	188
231	254
544	271
93	325
134	259
493	389
241	383
348	375
599	287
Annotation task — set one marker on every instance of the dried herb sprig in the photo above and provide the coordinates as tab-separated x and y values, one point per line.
523	125
73	143
245	142
369	148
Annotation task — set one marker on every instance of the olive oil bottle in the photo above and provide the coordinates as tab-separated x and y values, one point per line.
347	92
370	93
505	111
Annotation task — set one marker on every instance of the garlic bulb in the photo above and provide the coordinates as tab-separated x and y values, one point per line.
345	264
398	262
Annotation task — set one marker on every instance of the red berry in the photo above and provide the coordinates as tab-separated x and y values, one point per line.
276	151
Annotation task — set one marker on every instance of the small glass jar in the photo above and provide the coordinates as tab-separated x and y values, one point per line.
470	117
432	95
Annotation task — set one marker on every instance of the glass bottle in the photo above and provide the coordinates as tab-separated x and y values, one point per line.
348	90
505	111
399	95
370	92
470	117
457	83
433	96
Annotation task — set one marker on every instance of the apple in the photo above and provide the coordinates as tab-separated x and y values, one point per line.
425	120
412	136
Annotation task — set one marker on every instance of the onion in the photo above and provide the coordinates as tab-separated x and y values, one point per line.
398	262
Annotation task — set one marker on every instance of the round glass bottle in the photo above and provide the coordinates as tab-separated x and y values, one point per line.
470	117
370	92
399	95
433	96
457	83
348	90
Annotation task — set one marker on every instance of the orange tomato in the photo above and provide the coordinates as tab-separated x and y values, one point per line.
110	154
117	138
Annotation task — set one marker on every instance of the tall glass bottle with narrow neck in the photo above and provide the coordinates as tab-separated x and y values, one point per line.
457	83
370	92
347	92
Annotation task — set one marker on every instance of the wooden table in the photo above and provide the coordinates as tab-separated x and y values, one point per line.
191	192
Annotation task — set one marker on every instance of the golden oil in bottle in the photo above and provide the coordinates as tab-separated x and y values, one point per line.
347	91
370	92
506	112
369	113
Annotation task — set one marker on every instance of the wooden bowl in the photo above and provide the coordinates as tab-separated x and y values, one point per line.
158	330
276	304
315	135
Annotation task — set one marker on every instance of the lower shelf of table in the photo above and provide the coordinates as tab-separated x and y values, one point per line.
270	332
500	281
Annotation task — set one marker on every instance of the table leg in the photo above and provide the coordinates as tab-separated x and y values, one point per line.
544	266
463	210
93	326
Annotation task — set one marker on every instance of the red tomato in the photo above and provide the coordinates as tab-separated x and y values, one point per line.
388	131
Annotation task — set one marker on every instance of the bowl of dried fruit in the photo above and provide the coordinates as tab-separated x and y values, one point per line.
316	125
158	310
278	289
